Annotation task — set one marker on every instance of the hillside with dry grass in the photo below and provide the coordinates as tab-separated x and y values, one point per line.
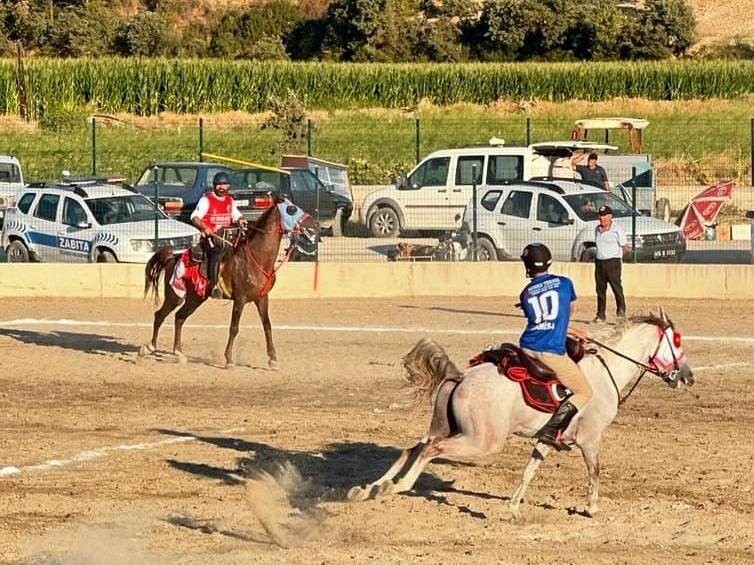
723	20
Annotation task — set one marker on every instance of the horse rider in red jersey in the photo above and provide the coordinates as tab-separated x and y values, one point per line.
215	212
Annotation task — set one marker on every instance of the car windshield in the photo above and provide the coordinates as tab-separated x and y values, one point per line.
586	205
122	209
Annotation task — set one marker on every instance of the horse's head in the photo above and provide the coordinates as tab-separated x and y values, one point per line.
302	228
669	357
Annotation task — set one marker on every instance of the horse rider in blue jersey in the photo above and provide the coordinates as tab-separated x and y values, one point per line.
547	301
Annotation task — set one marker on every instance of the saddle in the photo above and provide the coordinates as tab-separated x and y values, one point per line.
539	385
227	238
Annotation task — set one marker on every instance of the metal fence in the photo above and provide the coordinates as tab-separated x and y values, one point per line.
430	216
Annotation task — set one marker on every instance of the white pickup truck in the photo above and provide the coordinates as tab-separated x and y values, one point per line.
440	186
11	183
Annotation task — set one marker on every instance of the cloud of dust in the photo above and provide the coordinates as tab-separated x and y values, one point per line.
114	543
285	505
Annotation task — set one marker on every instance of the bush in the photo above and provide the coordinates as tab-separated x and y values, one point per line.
288	116
64	117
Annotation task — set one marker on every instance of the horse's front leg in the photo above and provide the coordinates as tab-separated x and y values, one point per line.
590	451
263	308
193	301
235	320
538	455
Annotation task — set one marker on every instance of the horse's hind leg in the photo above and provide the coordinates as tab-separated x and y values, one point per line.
193	301
541	451
440	427
171	302
359	493
461	446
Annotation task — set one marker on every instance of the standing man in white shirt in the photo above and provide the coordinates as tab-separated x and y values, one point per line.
612	244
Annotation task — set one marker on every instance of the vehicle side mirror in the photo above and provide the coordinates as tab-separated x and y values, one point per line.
570	221
401	183
750	214
83	224
458	217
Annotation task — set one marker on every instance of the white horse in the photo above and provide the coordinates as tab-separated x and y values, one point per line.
477	409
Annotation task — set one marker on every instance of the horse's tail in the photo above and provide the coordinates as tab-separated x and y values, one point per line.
427	365
155	266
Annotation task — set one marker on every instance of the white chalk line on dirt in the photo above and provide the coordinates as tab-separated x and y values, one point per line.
91	454
309	328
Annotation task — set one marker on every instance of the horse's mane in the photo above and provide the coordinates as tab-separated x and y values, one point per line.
255	229
612	335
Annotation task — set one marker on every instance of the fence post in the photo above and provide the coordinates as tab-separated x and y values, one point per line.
201	140
94	146
155	172
752	151
528	130
633	213
417	138
473	212
309	137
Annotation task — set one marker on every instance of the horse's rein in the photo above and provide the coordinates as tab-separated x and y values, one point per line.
644	367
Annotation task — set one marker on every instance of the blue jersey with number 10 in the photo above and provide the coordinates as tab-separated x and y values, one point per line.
546	301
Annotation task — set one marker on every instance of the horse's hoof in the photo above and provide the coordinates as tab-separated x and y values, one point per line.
357	494
386	489
591	511
516	516
146	349
229	365
182	359
273	364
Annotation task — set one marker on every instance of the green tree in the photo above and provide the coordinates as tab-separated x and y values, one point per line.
372	30
239	30
144	34
664	28
79	31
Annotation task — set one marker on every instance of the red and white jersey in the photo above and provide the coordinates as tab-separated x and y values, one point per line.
218	212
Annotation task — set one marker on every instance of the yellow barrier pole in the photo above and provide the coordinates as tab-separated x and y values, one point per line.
244	163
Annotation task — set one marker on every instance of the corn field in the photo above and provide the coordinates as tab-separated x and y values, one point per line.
150	86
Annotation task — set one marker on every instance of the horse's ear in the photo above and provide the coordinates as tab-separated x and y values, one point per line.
663	315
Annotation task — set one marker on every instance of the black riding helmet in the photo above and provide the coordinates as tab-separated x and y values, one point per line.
537	259
221	178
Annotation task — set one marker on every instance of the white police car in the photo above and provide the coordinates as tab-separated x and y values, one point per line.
94	222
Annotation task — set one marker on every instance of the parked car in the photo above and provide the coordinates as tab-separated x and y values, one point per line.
11	182
563	216
180	185
440	186
251	187
88	223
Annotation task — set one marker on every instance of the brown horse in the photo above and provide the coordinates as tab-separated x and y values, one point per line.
248	272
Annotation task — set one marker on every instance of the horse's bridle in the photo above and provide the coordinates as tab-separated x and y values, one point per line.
669	377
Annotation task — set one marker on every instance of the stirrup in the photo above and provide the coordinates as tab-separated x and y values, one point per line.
216	292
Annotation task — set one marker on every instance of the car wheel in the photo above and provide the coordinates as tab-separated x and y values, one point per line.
17	252
384	223
662	209
486	250
105	256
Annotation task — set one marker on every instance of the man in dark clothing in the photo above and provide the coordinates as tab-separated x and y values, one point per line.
591	172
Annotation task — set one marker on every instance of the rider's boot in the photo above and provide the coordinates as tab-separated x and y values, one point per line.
214	278
554	428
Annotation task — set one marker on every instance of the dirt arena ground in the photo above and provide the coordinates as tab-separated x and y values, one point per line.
106	459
